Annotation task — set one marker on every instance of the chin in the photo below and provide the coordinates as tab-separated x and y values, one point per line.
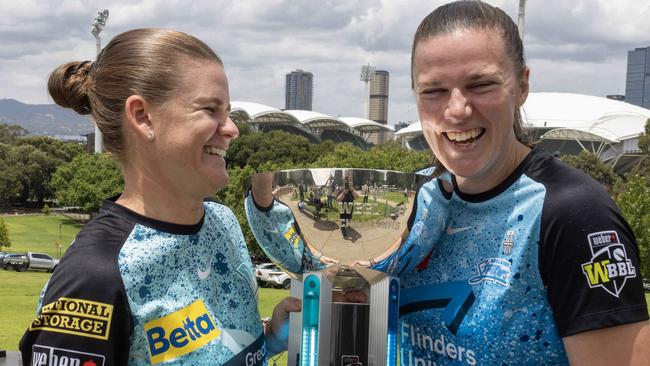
467	170
220	183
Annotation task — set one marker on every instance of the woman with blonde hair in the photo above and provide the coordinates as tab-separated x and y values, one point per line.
161	274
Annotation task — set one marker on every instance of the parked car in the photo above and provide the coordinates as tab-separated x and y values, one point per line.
30	261
268	274
41	261
15	261
2	255
646	286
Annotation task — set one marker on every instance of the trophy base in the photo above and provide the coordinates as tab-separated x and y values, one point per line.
349	340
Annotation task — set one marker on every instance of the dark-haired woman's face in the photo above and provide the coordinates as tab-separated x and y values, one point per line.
195	131
467	92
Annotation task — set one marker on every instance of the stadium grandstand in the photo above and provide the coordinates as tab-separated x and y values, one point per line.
316	127
566	123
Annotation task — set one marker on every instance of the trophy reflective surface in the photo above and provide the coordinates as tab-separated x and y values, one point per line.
341	234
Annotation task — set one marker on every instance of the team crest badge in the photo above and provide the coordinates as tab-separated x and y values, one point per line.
609	266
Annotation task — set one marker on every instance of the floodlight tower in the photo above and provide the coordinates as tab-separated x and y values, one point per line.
96	28
367	72
520	20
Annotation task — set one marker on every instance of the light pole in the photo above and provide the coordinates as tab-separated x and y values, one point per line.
520	19
60	241
367	72
95	30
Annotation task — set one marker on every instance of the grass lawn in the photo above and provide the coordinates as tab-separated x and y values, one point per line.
20	295
39	233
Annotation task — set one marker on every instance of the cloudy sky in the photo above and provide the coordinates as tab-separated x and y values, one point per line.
571	45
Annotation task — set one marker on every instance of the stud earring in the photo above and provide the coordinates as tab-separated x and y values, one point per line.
149	136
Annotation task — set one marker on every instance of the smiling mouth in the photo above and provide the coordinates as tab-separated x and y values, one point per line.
213	150
465	137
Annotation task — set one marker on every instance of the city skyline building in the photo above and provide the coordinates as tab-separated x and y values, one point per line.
299	90
402	124
616	97
378	104
637	80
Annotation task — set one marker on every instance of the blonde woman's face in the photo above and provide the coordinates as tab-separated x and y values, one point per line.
196	130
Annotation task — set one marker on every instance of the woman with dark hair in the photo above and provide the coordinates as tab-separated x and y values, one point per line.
161	274
536	265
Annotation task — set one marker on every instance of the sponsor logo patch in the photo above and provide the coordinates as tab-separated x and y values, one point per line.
609	266
50	356
180	332
292	237
495	270
79	317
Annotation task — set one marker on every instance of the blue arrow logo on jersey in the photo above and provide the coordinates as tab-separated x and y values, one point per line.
455	297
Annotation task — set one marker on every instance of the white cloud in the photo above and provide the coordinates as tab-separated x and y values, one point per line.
576	46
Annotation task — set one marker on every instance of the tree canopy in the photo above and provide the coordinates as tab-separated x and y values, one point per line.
87	180
9	133
596	168
4	234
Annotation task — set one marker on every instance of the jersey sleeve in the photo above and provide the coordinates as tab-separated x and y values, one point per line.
425	226
279	235
589	259
83	316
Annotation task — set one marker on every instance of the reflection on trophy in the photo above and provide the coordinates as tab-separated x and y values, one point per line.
342	235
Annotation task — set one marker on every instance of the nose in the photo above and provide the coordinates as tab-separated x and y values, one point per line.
229	129
458	107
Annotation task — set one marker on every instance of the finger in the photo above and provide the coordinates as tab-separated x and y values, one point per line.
356	297
292	304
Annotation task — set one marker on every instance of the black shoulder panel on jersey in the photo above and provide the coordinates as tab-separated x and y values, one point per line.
588	256
85	312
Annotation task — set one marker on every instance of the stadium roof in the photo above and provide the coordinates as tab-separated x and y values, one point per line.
253	110
584	117
365	125
413	129
262	114
316	119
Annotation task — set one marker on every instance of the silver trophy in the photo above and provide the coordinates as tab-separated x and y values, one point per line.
341	234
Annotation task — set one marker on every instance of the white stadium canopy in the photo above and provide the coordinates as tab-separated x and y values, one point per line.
313	125
366	125
316	120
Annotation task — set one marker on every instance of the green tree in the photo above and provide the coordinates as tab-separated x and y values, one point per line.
4	234
34	168
27	168
391	156
10	184
644	140
276	148
593	166
9	133
634	203
87	180
63	151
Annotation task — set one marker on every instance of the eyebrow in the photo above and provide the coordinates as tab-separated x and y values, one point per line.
470	78
215	100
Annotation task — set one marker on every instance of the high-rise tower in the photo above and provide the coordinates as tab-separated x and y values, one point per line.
378	104
299	90
637	81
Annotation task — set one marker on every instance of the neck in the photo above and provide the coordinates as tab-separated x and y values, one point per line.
157	200
494	177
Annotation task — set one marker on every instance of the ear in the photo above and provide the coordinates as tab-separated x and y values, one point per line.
524	86
136	111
